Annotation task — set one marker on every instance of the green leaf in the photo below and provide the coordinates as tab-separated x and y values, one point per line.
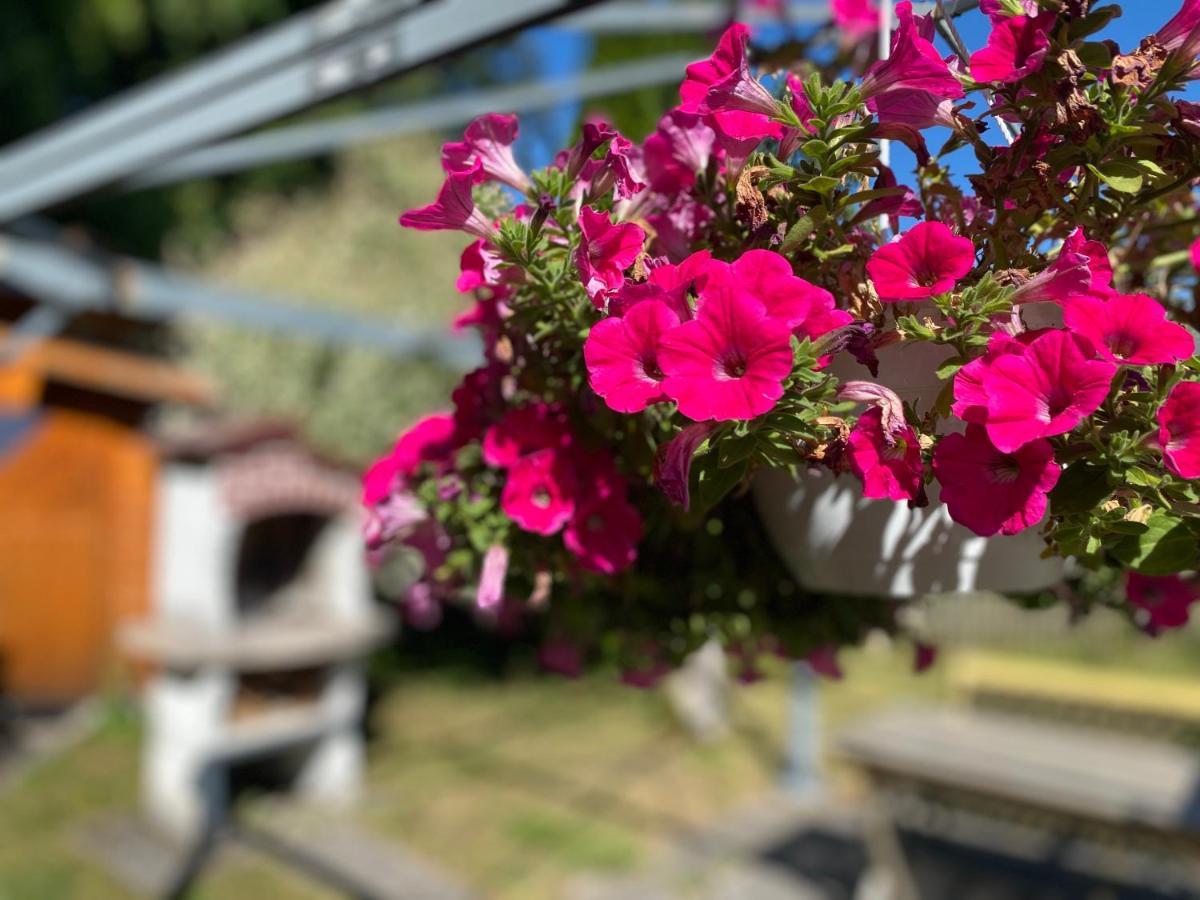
735	450
1167	546
1095	55
714	483
1079	489
950	367
798	233
822	184
1093	22
1140	477
1123	177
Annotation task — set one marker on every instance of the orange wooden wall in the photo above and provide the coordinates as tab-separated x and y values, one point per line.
76	519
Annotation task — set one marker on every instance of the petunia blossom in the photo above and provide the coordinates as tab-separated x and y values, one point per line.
927	259
525	430
1098	263
1048	388
1162	601
970	398
605	251
603	534
488	140
990	491
1129	328
856	18
1196	255
728	59
914	63
454	209
622	356
1016	49
430	439
729	362
673	464
539	493
1181	35
809	311
1179	429
904	202
679	148
798	100
889	464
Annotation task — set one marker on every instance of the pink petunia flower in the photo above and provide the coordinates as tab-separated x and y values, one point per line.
998	11
924	656
740	91
1196	255
680	147
604	533
622	356
889	464
914	63
798	98
824	661
970	397
539	493
1129	328
990	491
729	362
479	267
525	430
488	140
1048	388
857	18
605	252
454	209
593	136
809	311
928	259
1098	263
673	464
728	59
1015	49
490	593
621	170
677	229
1162	601
902	204
431	439
1181	35
1179	429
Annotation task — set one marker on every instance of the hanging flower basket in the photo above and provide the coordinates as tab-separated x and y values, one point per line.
949	384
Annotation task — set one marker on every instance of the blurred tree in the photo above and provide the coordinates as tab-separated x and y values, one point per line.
62	56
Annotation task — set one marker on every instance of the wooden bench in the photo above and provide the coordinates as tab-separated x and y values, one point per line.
1067	781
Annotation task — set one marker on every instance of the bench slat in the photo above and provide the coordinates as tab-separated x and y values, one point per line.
1072	770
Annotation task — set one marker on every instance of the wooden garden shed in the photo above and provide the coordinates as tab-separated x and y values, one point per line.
77	482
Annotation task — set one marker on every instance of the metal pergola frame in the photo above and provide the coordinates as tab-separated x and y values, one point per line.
191	124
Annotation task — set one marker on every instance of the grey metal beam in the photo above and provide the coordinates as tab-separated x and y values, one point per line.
75	283
627	17
314	139
40	322
402	42
163	97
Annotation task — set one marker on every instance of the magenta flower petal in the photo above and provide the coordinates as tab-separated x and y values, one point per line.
888	464
539	493
1179	430
454	209
1162	601
673	464
1182	33
1015	49
970	398
729	362
1129	328
857	18
914	63
1196	255
622	356
603	534
605	252
681	147
728	59
928	259
808	310
525	430
488	140
1047	389
989	491
490	593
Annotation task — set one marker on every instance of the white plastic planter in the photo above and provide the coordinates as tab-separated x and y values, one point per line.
836	541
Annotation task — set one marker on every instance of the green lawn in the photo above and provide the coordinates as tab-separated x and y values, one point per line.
515	785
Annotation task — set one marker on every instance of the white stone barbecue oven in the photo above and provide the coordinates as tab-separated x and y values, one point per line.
263	615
